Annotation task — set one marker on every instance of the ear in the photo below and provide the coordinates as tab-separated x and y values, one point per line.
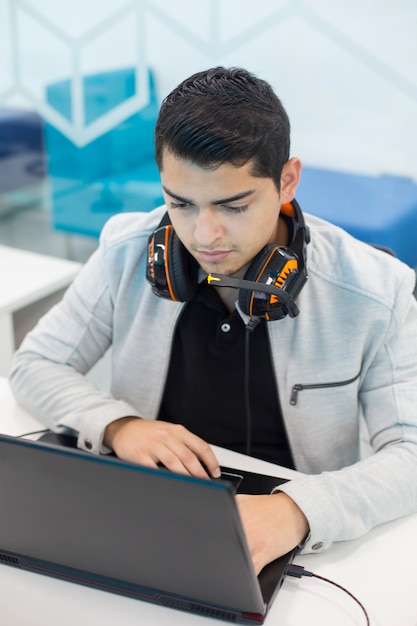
290	177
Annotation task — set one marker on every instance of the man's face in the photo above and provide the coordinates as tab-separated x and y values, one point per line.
223	216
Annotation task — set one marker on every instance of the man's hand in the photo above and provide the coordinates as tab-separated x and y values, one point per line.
273	525
152	442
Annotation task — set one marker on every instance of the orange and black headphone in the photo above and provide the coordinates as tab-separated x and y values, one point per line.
269	288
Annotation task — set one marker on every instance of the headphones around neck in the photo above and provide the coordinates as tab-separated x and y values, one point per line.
269	288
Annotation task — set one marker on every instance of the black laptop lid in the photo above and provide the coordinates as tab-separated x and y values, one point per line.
115	520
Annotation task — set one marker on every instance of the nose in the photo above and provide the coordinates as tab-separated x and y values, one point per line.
208	228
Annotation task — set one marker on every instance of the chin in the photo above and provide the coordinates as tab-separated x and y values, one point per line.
226	271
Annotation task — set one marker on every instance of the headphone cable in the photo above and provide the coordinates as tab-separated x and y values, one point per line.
250	326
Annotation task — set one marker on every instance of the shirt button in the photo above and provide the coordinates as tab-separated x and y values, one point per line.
317	546
225	328
88	444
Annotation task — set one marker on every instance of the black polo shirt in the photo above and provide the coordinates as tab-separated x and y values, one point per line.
205	387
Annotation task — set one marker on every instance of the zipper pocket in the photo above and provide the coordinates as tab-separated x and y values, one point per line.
299	387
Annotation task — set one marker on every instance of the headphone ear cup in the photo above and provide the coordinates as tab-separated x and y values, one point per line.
171	270
276	266
182	269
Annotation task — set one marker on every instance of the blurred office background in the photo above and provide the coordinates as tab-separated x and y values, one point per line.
81	82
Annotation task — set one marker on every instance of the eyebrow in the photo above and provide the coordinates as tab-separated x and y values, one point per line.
238	196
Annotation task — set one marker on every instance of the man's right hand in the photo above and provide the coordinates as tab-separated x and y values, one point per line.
152	442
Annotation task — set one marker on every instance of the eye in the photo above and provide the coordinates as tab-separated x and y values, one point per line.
180	205
232	208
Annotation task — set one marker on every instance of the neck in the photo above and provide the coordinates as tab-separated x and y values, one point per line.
228	296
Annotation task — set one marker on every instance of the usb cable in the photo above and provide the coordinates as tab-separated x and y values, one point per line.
298	571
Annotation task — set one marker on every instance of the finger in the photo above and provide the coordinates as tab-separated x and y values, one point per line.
177	457
205	455
145	460
195	454
162	456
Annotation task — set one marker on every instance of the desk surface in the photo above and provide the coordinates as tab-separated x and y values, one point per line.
28	276
377	568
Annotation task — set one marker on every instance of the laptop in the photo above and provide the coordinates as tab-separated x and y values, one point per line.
146	533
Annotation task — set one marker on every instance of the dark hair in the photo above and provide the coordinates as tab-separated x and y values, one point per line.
225	116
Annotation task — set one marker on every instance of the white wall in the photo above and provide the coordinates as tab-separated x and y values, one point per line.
345	70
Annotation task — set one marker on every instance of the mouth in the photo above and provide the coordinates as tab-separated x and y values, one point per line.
215	256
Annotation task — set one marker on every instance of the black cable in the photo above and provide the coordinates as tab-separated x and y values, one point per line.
297	571
246	394
250	326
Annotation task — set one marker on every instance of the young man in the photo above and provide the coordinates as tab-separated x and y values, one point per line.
209	363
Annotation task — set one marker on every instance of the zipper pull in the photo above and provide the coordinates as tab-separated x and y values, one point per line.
294	394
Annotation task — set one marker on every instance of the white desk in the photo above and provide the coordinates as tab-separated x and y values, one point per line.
378	568
29	282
